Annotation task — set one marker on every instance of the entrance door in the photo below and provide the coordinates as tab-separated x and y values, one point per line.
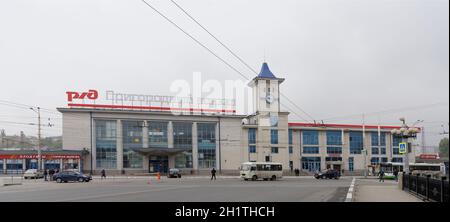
158	164
337	167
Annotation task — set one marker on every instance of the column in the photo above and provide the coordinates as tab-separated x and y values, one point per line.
145	135
60	164
145	144
194	146
119	145
218	157
24	164
4	165
170	135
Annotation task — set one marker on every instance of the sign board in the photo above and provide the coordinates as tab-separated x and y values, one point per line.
35	156
429	156
403	148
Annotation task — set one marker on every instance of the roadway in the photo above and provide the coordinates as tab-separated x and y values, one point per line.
302	189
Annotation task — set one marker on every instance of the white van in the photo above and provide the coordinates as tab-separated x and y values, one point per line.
260	170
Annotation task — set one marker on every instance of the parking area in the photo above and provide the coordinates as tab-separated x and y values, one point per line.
144	189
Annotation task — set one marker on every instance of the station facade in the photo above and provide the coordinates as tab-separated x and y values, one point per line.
145	139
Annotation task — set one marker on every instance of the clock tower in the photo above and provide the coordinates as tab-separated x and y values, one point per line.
266	91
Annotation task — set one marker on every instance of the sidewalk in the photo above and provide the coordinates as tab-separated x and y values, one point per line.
374	191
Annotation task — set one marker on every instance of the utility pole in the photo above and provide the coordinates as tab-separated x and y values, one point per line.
39	137
406	132
364	146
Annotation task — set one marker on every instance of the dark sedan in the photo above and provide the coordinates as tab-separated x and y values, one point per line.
329	174
66	176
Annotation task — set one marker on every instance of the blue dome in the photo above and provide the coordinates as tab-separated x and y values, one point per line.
265	72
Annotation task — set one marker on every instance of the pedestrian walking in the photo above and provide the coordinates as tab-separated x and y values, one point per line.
45	175
213	174
396	175
381	175
103	174
50	173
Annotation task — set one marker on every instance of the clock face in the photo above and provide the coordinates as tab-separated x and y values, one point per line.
269	98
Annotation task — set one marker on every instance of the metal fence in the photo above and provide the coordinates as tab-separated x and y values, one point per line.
428	188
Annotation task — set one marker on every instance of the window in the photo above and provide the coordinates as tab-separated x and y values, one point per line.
375	151
132	138
397	160
157	134
395	145
334	138
290	136
182	135
310	150
252	149
268	159
106	144
251	136
378	143
274	136
334	150
310	137
274	149
291	150
384	159
206	137
351	163
311	163
333	159
356	142
375	161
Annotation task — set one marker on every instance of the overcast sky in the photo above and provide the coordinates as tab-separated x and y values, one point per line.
339	57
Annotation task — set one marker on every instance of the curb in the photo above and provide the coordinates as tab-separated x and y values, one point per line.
349	197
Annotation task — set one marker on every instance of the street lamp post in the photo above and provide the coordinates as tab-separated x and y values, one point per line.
39	137
406	132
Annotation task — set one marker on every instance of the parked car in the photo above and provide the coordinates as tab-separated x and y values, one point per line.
174	173
66	176
329	174
33	174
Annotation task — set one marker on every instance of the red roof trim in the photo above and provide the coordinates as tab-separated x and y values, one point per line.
155	108
341	126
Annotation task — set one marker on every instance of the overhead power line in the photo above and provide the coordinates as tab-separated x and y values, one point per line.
213	53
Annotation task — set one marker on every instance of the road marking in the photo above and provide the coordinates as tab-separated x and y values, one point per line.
349	197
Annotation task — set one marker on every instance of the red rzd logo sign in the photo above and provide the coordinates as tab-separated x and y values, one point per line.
91	94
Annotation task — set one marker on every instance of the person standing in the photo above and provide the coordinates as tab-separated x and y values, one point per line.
381	175
45	175
213	174
103	174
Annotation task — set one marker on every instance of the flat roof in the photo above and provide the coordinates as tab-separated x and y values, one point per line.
356	126
142	112
32	151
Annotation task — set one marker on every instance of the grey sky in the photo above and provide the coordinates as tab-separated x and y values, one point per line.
338	57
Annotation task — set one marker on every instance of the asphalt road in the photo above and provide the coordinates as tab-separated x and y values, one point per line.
180	190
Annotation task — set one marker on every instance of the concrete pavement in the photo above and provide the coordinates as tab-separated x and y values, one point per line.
370	190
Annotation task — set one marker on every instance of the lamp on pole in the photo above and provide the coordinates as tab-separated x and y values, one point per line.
38	111
406	132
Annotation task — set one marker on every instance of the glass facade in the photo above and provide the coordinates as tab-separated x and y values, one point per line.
291	150
334	142
378	143
310	137
274	136
14	165
157	135
375	161
397	160
252	149
311	163
206	145
395	145
182	135
182	139
132	138
356	142
106	144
